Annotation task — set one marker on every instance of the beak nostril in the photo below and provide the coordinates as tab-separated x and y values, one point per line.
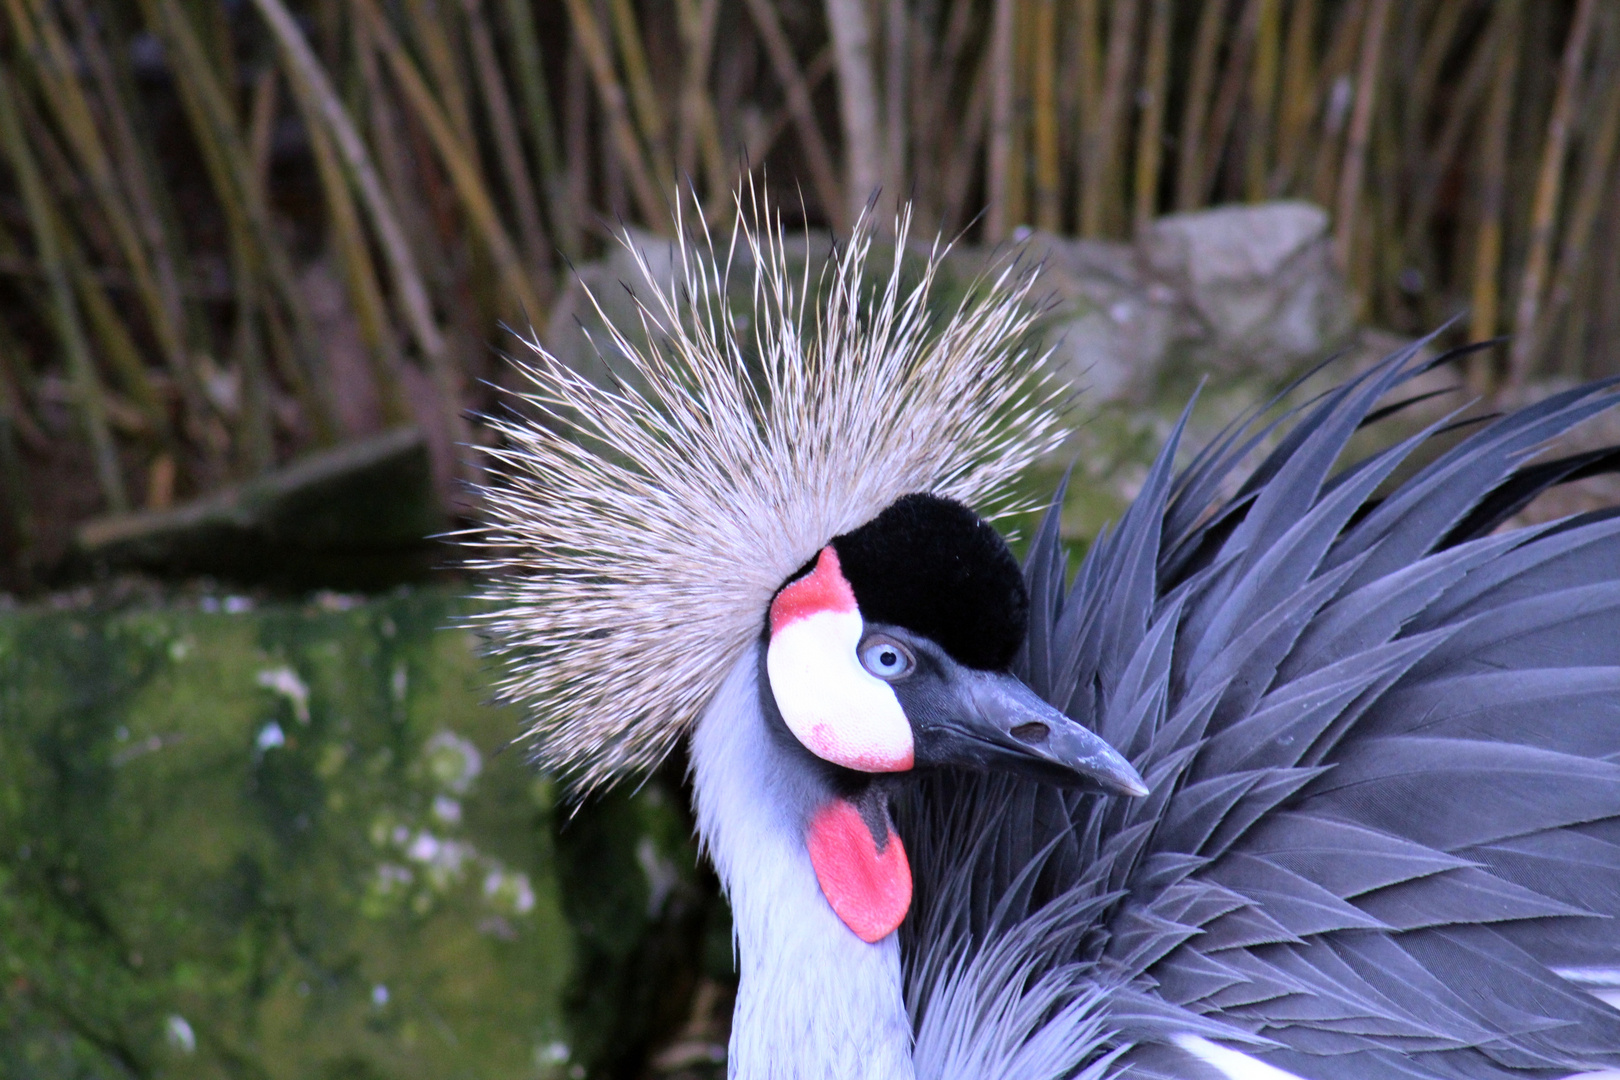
1034	733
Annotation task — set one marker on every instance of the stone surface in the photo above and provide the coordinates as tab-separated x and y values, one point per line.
1258	279
1109	328
355	516
290	841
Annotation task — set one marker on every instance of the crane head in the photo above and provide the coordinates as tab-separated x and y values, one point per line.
890	651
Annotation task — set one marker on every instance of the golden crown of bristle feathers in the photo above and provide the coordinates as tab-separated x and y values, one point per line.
634	535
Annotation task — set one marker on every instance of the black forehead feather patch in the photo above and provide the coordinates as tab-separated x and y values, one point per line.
935	567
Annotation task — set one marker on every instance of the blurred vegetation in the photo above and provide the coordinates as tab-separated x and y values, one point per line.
233	230
284	843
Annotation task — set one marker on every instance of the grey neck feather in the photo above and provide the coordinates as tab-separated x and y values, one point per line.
814	1000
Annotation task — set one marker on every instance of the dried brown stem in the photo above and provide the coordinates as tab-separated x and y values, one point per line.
1048	177
1234	84
64	306
509	149
643	98
1361	116
1505	46
1298	104
998	153
1597	177
823	175
1150	134
1191	151
859	103
1549	188
610	92
1258	139
1102	200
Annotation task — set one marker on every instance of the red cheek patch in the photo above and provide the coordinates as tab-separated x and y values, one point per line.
870	890
822	589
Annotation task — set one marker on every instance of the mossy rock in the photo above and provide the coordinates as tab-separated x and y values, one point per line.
286	842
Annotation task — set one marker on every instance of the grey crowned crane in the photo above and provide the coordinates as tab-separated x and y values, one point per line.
1307	772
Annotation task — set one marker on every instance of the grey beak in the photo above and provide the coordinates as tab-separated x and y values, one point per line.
991	721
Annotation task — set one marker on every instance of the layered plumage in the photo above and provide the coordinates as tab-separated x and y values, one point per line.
1381	738
1383	742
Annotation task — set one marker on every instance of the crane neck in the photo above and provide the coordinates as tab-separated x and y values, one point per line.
814	1000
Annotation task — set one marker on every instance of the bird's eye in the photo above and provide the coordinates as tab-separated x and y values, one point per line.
885	658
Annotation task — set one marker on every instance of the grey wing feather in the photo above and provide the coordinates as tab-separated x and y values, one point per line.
1383	747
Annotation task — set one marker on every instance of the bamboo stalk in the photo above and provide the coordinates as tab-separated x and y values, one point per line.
643	98
134	170
1229	97
1549	189
1048	176
434	33
400	172
1355	156
1598	174
1190	152
998	153
309	81
859	103
1018	177
529	67
255	439
1335	94
117	343
815	73
1505	44
13	399
215	126
698	133
365	294
714	155
1298	104
255	433
1436	160
933	80
1088	99
159	297
1379	254
823	175
953	45
459	161
577	132
1603	306
961	165
1576	331
611	94
1438	41
1258	137
896	45
1150	134
64	308
697	38
261	128
19	522
1100	208
509	147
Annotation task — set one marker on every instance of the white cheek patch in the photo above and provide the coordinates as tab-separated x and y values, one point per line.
835	707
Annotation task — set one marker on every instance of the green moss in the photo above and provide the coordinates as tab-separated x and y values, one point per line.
278	844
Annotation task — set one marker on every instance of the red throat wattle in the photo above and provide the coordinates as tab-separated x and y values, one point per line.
868	888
